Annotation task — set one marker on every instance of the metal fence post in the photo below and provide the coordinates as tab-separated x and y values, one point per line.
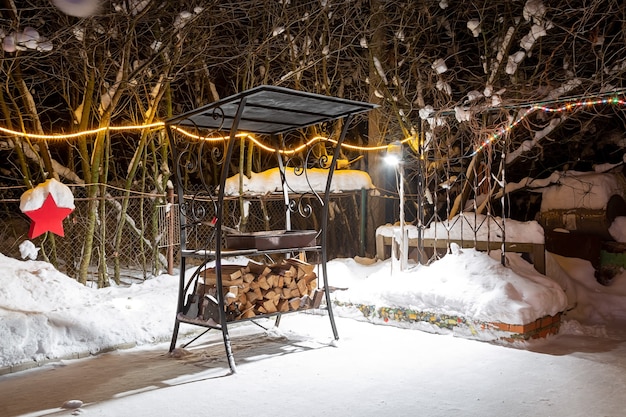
170	247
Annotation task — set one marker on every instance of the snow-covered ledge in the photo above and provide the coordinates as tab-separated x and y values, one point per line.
468	230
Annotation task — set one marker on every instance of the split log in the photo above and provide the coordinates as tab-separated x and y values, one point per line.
302	287
256	289
258	269
283	305
269	306
253	296
294	303
288	281
262	280
231	275
272	295
302	267
248	314
318	294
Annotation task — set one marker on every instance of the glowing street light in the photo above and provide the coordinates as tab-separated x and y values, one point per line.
394	154
394	158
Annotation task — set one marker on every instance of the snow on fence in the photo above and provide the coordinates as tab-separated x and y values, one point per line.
469	230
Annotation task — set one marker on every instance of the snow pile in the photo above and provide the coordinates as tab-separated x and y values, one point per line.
44	313
474	27
535	11
24	40
618	229
588	301
34	198
78	8
587	190
439	66
28	250
464	283
298	181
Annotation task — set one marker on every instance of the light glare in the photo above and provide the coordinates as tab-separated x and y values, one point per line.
392	160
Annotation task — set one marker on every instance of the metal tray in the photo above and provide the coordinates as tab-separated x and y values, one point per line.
273	239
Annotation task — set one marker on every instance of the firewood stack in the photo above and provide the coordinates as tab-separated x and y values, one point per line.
258	289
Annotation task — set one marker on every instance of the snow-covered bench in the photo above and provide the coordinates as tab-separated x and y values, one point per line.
521	237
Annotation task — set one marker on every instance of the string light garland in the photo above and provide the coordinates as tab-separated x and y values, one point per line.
161	125
536	107
282	151
570	106
65	136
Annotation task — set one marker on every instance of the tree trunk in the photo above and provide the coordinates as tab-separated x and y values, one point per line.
17	145
31	111
376	206
459	201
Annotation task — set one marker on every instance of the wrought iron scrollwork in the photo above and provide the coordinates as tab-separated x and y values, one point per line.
187	159
326	127
218	114
299	166
218	155
317	156
196	211
304	209
301	206
200	210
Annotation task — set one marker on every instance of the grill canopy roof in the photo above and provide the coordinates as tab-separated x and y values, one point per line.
270	110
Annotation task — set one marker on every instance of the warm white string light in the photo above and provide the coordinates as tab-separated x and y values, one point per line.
570	106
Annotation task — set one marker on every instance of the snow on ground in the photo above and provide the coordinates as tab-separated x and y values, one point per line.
298	367
47	317
45	314
372	371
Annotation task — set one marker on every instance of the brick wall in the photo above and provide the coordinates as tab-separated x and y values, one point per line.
541	327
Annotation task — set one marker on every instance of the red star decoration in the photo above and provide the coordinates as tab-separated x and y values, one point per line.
47	218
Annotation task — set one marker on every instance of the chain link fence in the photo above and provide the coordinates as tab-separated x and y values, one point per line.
150	228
